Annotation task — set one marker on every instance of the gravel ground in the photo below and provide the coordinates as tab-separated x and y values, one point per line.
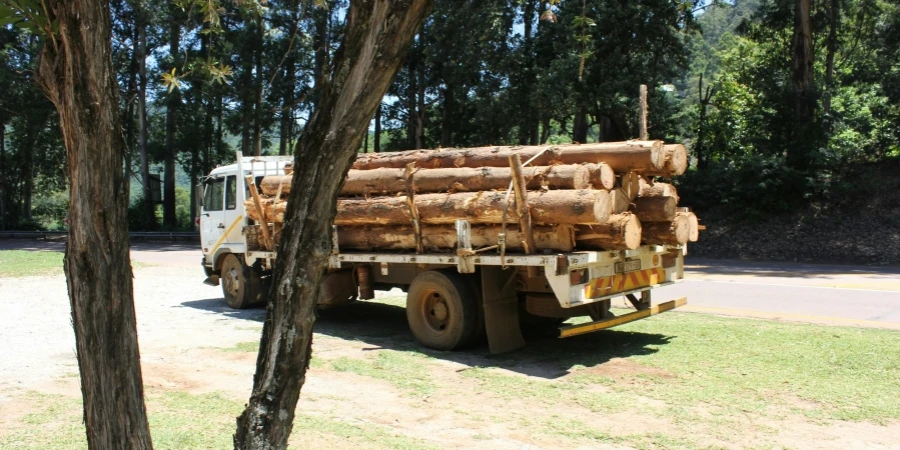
173	307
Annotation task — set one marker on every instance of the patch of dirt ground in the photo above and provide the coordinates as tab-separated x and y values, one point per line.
369	375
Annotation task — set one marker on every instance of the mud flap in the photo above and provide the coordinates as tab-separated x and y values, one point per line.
501	309
212	280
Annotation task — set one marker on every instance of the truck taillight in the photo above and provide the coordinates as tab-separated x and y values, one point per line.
578	276
197	221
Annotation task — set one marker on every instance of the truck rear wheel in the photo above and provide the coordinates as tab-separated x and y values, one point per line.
441	310
240	284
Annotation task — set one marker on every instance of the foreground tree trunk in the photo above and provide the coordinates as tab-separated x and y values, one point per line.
76	74
377	36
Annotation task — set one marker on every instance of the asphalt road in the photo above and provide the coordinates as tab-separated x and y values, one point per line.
828	294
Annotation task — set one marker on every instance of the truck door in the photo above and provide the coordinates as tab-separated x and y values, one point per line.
212	218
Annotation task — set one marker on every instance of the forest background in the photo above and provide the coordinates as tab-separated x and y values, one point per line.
781	168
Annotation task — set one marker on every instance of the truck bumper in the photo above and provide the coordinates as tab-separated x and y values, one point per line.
583	328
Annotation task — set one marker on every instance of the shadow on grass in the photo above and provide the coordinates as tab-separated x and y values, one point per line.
383	326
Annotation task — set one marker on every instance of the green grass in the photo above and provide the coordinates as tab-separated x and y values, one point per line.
23	263
182	421
715	380
241	347
52	423
253	347
26	263
699	372
748	365
406	370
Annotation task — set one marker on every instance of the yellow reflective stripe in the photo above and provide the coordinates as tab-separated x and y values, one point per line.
225	234
574	330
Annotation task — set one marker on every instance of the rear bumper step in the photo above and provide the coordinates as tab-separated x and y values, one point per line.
583	328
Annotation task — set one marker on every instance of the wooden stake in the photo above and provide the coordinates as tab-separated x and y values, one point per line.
515	163
643	113
411	204
262	212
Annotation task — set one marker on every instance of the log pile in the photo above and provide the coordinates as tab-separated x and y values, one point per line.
541	198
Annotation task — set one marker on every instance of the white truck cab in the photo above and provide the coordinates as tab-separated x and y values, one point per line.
222	222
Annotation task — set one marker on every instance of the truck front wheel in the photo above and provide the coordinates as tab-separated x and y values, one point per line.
441	310
240	284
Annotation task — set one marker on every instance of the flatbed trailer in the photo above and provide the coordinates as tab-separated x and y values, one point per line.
453	299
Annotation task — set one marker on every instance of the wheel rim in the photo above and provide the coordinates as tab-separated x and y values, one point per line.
231	282
435	311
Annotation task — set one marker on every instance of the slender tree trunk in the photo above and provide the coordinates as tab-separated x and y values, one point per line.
804	89
545	130
3	188
246	106
580	126
377	145
412	91
149	206
219	111
528	126
76	73
445	116
320	42
172	104
834	17
290	74
258	93
378	33
209	132
28	173
420	110
129	119
700	146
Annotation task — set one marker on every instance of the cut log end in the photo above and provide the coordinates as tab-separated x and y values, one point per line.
676	159
694	226
655	209
676	232
620	232
601	176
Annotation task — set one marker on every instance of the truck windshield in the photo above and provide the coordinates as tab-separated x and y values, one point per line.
213	197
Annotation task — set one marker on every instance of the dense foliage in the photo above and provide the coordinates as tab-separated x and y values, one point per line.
201	79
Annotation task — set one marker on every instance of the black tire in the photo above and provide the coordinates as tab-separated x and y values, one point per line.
240	284
441	310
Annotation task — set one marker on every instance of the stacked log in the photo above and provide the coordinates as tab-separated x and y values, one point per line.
558	198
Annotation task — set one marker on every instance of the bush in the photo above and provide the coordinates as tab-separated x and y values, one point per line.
49	212
753	188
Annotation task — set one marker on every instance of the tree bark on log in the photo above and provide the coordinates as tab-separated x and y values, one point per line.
658	189
385	181
620	232
676	162
376	38
549	207
443	237
676	232
622	157
76	74
654	209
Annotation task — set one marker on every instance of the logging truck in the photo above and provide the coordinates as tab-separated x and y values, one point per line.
463	280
